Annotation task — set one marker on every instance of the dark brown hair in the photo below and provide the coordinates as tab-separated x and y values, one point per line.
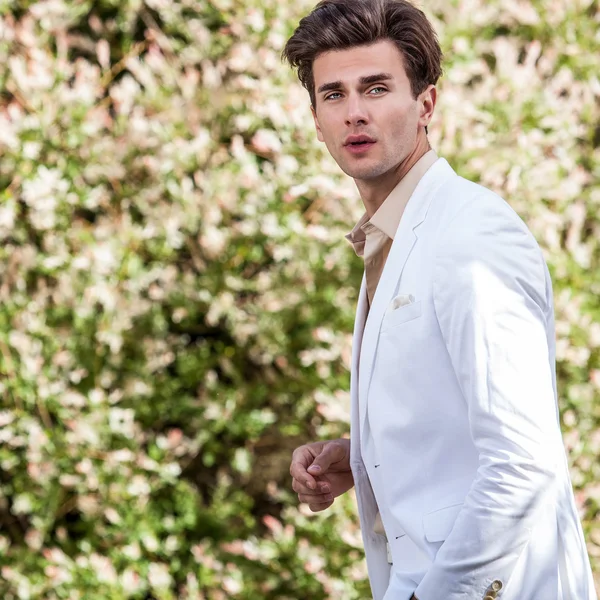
343	24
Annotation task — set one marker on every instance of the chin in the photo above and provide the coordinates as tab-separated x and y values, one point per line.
365	172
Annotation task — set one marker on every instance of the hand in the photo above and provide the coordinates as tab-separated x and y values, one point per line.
321	472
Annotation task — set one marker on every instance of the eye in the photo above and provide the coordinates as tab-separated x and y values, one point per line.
379	89
331	96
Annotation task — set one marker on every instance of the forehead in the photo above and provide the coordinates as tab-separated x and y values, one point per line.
351	64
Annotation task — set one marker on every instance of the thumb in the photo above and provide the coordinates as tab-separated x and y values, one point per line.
331	453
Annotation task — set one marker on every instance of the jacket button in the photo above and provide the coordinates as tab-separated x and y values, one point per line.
497	585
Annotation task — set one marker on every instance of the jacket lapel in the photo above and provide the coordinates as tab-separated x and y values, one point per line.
359	328
404	240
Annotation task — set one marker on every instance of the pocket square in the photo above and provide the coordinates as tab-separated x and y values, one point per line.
401	300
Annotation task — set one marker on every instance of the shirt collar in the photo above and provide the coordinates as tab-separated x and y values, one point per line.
388	215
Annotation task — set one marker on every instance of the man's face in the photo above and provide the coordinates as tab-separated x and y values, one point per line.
364	91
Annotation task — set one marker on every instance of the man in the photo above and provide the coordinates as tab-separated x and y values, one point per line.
455	449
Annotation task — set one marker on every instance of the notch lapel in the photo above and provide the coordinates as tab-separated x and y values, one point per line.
359	328
403	244
404	241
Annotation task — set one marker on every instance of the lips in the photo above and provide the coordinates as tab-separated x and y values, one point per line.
358	149
358	144
358	140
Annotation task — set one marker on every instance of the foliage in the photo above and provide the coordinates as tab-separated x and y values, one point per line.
176	297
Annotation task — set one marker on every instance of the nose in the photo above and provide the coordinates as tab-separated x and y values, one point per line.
357	112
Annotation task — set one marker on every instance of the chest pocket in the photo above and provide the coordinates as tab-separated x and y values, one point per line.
401	315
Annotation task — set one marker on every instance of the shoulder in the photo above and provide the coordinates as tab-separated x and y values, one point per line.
464	206
480	238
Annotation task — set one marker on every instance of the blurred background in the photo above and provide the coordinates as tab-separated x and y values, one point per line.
177	298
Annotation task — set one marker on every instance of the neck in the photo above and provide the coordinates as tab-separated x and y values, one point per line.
374	191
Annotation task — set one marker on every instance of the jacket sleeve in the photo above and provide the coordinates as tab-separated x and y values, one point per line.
492	302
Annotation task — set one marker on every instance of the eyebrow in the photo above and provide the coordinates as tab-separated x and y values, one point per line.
366	80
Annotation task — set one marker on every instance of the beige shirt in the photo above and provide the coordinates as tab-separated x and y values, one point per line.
372	239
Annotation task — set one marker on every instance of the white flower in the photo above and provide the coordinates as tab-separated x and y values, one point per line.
41	194
73	398
105	571
130	581
175	238
31	150
132	551
271	227
266	140
81	263
159	576
213	241
68	480
171	544
172	470
85	467
122	455
96	197
138	487
22	505
7	217
104	259
83	432
256	19
97	396
53	262
34	539
241	58
211	76
231	585
103	293
124	94
6	418
8	136
88	505
37	438
112	515
121	420
103	53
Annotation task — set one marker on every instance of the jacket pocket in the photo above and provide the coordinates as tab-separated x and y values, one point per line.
401	315
438	524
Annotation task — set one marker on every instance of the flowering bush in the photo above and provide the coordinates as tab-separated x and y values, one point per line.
176	298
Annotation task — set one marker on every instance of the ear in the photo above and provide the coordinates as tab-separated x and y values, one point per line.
427	100
319	132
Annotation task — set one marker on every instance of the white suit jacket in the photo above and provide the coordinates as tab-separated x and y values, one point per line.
457	390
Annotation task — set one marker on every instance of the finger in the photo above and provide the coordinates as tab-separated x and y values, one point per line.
300	460
315	498
322	487
320	507
332	452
